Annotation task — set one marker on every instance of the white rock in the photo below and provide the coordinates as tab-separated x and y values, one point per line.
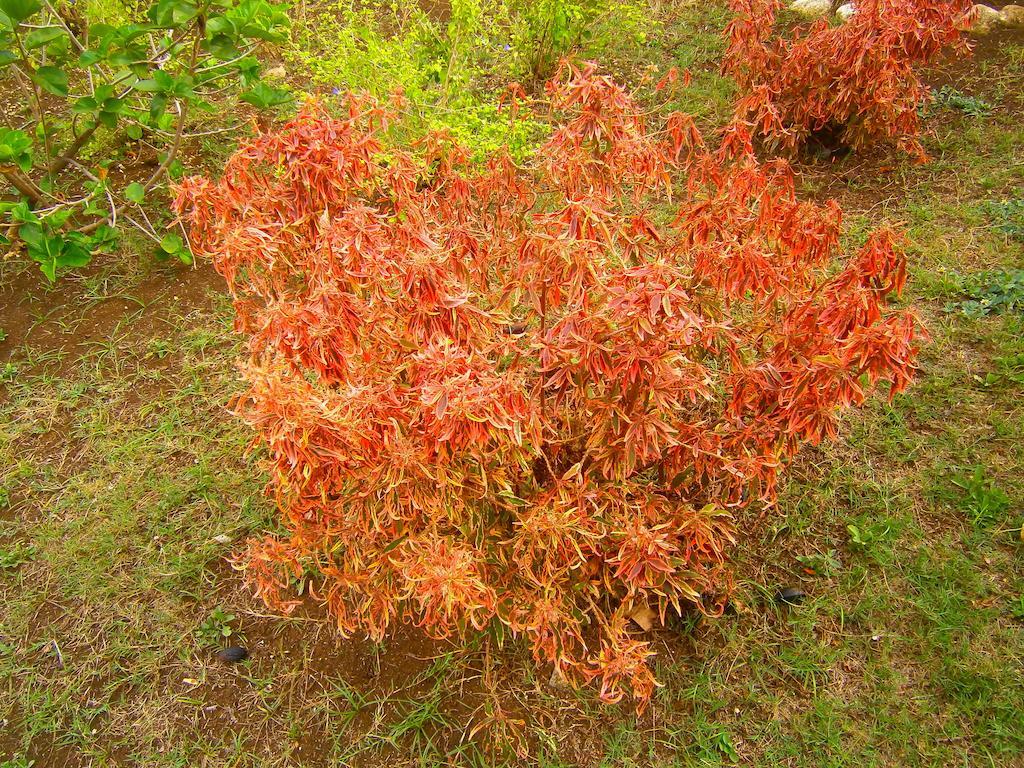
277	73
985	18
845	11
812	9
1012	16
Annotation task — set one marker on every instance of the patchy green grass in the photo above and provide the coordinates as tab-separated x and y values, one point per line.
124	487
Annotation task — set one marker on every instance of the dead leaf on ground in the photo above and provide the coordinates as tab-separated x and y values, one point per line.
643	617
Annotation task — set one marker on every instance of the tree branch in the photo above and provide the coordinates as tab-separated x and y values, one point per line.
60	163
23	184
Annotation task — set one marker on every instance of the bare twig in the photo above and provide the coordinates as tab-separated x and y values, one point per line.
144	230
60	19
60	656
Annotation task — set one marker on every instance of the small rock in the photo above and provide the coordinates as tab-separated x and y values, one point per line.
277	73
845	11
984	19
790	596
222	538
233	654
1012	16
812	9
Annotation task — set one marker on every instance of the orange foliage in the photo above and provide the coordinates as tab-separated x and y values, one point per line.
533	397
855	81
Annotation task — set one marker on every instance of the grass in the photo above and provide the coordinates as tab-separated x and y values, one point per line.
124	486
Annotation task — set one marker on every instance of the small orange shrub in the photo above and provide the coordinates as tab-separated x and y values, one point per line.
856	80
532	397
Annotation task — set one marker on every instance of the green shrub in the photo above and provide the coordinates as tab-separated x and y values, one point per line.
542	31
448	70
92	91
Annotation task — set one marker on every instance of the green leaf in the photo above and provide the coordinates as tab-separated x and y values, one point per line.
40	37
220	25
88	58
104	238
113	106
22	214
7	57
221	46
84	105
147	86
52	252
31	234
165	121
168	14
172	244
157	107
134	131
129	57
51	79
75	256
263	96
259	19
60	216
19	10
16	148
162	82
135	192
59	50
249	69
97	206
48	268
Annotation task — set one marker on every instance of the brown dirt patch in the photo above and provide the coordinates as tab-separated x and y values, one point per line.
61	321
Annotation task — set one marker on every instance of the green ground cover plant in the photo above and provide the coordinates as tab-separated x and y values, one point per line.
993	293
1008	216
948	97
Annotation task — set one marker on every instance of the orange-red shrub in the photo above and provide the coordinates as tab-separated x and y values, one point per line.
532	396
855	81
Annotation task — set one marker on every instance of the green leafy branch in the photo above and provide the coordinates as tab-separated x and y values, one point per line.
130	83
